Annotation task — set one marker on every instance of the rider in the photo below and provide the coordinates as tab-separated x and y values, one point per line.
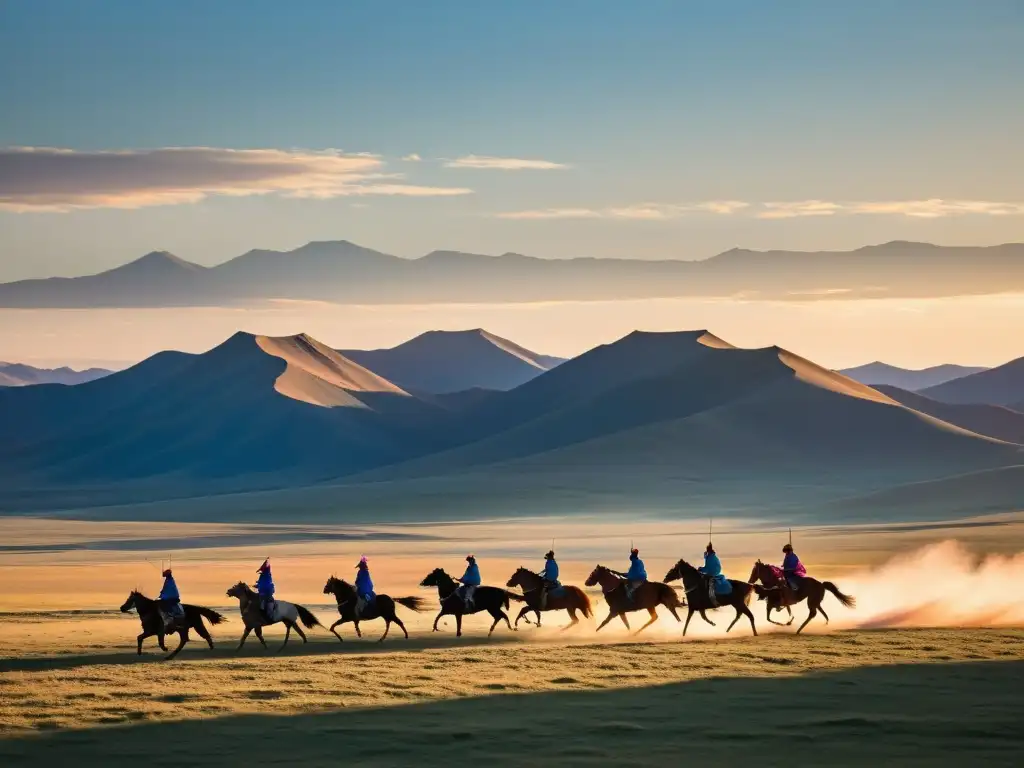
550	576
169	601
470	581
712	570
793	568
364	586
265	588
636	575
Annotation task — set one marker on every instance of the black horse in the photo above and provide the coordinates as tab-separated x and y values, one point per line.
698	597
153	622
490	599
383	607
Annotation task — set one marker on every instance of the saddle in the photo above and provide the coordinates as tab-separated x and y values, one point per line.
268	609
172	616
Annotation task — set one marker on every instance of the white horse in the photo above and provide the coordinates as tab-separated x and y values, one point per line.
255	619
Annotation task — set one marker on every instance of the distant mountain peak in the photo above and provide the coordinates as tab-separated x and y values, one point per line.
159	260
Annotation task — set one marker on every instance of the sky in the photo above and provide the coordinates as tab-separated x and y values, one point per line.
649	129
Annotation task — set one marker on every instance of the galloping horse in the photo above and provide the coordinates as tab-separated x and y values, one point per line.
648	596
698	599
490	599
780	595
570	599
255	619
382	607
153	622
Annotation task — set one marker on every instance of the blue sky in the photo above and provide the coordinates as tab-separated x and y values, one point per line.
663	129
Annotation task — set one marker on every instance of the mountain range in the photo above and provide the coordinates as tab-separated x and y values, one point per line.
340	271
878	373
21	375
654	419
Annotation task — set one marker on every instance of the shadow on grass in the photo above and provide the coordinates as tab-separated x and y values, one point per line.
318	645
921	714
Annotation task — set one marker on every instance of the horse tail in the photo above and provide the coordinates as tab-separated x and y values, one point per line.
307	618
761	591
413	603
672	599
512	596
207	613
848	600
585	607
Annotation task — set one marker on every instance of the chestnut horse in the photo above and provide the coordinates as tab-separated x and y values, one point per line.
648	596
780	595
569	599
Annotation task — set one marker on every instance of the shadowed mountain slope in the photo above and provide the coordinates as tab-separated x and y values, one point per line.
443	362
997	386
992	420
877	373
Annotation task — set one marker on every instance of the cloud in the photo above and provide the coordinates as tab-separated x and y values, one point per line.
412	158
933	208
484	162
635	212
48	179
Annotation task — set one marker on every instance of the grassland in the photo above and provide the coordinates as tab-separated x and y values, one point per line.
909	697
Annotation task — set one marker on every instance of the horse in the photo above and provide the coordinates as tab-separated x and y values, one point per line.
648	595
255	619
570	599
698	599
153	622
382	607
490	599
780	595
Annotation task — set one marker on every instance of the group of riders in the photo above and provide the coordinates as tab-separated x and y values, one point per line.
717	584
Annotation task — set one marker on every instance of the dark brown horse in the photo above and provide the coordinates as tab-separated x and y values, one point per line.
698	598
153	622
566	598
255	619
490	599
382	607
648	596
780	595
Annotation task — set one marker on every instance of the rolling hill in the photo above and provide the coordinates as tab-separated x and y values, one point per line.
342	271
992	420
877	373
997	386
654	419
21	375
443	362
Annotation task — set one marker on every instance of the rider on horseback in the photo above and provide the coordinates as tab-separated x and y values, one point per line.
793	568
169	601
635	576
470	581
364	586
716	582
265	588
550	576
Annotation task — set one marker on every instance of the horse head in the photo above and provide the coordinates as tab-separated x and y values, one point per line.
522	577
130	602
681	570
596	575
338	587
435	578
239	590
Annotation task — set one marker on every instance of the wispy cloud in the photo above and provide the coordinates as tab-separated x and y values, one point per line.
48	179
636	211
412	158
933	208
485	162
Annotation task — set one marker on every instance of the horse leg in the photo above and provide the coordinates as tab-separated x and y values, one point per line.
705	617
689	615
438	618
334	631
387	628
610	617
359	633
654	618
822	610
182	639
790	612
574	621
810	615
733	622
624	619
301	634
537	611
142	637
458	624
259	635
244	635
204	633
751	617
509	623
287	634
401	626
160	639
522	612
